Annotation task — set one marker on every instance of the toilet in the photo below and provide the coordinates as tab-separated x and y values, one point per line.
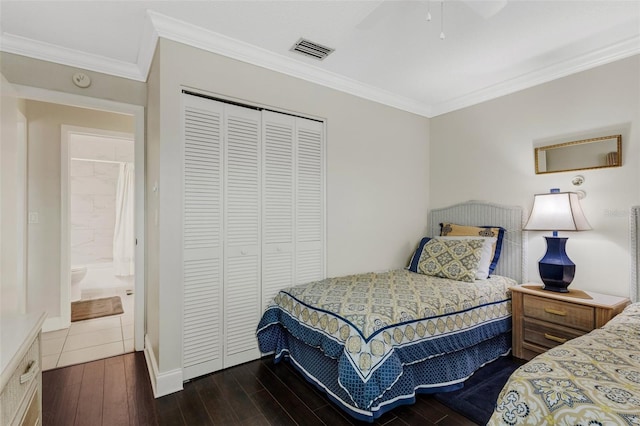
77	275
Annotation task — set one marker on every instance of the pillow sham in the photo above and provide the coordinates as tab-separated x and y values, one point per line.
454	259
485	258
451	229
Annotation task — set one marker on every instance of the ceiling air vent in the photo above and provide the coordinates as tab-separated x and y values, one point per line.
309	48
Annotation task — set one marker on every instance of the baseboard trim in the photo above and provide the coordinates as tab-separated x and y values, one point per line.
162	383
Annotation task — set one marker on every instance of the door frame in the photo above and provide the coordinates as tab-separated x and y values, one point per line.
138	113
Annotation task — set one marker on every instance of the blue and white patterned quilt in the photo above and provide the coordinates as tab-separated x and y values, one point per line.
375	323
591	380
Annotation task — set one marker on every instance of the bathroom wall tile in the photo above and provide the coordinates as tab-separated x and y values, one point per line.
92	185
80	168
81	221
103	220
103	237
107	170
90	354
81	203
81	237
103	253
105	202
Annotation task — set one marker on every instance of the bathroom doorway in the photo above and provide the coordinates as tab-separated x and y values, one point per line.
47	112
98	199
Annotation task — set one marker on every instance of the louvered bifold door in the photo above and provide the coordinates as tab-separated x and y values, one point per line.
278	203
202	236
242	305
309	227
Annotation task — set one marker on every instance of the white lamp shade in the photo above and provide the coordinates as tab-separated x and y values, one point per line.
557	211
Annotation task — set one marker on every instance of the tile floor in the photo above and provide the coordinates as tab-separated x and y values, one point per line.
92	339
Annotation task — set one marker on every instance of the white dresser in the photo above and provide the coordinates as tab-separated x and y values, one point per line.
21	361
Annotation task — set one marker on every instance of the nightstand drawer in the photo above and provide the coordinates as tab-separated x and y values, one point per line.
559	312
547	335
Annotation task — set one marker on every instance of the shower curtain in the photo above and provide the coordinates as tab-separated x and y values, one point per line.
123	235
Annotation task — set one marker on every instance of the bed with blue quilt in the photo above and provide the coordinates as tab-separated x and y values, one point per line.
373	341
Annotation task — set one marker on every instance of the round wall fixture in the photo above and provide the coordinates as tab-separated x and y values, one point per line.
82	80
577	180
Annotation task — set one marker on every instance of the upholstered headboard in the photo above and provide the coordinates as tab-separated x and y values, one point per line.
634	228
478	213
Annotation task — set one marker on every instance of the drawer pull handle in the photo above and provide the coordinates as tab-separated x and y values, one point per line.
31	371
555	312
554	338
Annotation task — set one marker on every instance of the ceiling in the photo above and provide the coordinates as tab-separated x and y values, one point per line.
385	50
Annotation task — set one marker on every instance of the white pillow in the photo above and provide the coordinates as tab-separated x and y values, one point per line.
485	257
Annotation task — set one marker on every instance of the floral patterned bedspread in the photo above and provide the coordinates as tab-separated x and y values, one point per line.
591	380
365	320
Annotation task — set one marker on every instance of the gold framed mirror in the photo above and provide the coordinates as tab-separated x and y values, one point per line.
594	153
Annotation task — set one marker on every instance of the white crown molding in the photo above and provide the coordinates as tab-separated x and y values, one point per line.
147	49
595	58
74	58
159	25
191	35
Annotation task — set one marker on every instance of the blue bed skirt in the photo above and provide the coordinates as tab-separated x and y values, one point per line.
442	373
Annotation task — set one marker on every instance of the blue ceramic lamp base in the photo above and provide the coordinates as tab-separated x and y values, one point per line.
556	269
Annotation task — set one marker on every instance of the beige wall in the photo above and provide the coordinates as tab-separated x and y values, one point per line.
152	126
45	121
11	289
486	152
377	171
48	75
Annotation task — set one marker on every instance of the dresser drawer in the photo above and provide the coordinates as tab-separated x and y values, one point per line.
15	392
548	335
556	311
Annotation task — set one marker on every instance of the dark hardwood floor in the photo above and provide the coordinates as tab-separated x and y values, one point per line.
116	391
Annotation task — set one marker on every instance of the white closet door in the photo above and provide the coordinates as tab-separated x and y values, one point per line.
278	132
202	236
242	303
309	201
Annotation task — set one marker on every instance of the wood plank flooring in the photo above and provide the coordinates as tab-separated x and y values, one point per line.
117	391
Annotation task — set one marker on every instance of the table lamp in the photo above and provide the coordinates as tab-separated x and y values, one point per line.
556	211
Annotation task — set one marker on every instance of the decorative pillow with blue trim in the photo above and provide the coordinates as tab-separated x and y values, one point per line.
451	229
454	259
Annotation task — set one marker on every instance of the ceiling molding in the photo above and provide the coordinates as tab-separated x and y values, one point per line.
595	58
191	35
159	25
74	58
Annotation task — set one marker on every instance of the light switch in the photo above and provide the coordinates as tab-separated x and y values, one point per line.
33	217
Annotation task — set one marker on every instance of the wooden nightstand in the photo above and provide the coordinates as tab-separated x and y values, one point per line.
543	319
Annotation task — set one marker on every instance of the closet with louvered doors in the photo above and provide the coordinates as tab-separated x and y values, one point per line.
253	223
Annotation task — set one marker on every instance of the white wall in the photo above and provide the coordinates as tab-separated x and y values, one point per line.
45	120
377	171
486	152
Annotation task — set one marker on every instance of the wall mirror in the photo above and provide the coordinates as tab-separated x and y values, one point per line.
595	153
